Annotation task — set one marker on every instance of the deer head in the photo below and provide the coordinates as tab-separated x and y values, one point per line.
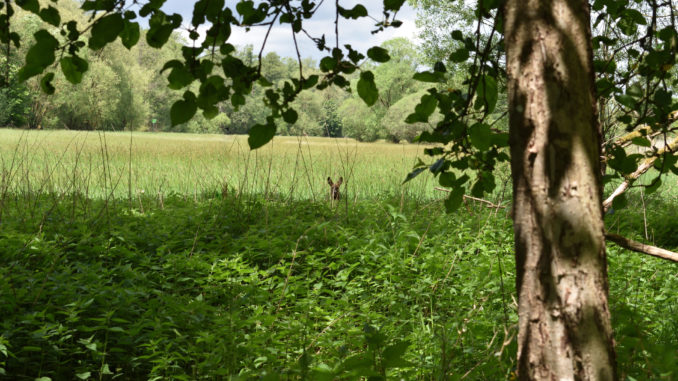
334	188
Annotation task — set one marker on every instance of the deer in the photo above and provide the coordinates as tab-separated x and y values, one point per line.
334	188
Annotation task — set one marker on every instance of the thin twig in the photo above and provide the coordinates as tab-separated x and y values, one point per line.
490	204
422	239
268	31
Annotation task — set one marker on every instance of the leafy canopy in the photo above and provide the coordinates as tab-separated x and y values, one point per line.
214	64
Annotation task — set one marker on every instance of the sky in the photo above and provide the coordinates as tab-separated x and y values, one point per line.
354	32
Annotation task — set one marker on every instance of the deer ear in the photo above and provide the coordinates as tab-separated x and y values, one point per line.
329	181
341	180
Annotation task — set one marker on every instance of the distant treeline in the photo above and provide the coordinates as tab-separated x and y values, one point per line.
125	90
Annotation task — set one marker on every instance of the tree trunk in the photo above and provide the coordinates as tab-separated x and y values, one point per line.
564	320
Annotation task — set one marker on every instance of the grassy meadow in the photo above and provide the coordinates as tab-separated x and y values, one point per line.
106	165
184	257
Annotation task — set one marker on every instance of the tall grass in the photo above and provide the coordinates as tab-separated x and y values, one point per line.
125	165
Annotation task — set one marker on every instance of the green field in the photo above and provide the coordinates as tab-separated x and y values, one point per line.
120	164
150	268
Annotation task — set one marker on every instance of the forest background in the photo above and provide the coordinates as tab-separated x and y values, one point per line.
126	90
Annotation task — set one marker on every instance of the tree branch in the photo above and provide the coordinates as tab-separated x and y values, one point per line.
642	168
644	130
641	247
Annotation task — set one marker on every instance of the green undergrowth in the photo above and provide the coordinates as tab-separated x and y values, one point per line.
643	298
247	288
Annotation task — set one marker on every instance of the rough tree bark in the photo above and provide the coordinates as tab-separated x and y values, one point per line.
564	320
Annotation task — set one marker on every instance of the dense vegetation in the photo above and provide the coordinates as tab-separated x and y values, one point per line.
200	284
130	260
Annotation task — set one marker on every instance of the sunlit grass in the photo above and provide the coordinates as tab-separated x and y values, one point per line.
120	164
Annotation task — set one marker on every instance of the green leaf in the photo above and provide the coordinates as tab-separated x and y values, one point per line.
238	99
447	179
322	373
454	200
106	30
667	33
481	136
414	174
130	34
31	348
15	38
427	76
459	55
355	362
392	355
654	185
340	81
290	116
29	5
83	375
635	90
46	83
260	134
354	13
605	66
630	163
183	110
619	202
487	93
210	112
484	184
73	68
367	89
437	166
50	15
626	100
490	4
160	29
233	67
634	16
393	5
426	107
171	64
604	87
100	5
40	55
106	369
378	54
500	139
310	81
641	141
327	64
179	78
251	15
626	119
663	98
